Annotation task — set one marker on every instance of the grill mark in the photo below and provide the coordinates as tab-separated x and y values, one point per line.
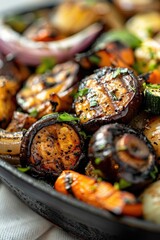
111	100
68	183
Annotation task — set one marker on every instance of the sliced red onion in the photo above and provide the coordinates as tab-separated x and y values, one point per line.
30	52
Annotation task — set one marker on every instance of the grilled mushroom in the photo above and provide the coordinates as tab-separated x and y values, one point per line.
119	152
52	144
108	95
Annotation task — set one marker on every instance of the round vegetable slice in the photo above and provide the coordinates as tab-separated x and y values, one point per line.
52	145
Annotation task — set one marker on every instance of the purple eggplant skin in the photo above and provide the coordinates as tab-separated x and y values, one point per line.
69	157
135	165
108	95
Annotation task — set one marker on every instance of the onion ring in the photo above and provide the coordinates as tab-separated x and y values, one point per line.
31	53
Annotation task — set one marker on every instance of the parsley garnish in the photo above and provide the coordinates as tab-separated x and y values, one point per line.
81	93
94	59
93	103
154	172
122	184
33	113
98	160
23	169
46	64
66	117
116	73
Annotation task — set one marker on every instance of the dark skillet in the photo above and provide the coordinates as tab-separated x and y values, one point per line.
77	218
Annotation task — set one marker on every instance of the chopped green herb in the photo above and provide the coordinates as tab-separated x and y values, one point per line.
114	97
66	117
93	103
98	172
151	53
81	93
99	179
124	70
94	59
23	169
83	134
154	172
97	160
34	113
116	73
46	64
122	184
152	66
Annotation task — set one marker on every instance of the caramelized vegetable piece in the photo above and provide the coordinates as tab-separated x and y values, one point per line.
110	94
84	14
152	132
148	57
42	30
99	194
119	152
145	24
8	89
154	77
20	121
112	54
52	144
151	200
131	7
12	69
39	89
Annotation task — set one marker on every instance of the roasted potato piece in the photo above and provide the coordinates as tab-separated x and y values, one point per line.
84	14
8	88
38	90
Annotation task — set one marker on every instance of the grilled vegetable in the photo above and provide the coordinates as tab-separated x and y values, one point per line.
99	194
12	69
109	95
147	56
151	200
10	142
152	98
113	53
145	24
20	121
53	144
8	88
152	132
131	7
37	94
84	13
119	152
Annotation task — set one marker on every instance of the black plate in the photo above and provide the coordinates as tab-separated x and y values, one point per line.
78	218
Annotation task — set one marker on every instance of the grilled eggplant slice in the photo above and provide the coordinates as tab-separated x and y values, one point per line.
52	144
121	153
108	95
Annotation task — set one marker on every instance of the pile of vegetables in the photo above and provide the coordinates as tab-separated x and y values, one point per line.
80	103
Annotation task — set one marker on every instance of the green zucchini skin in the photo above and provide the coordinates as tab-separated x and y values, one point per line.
152	98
